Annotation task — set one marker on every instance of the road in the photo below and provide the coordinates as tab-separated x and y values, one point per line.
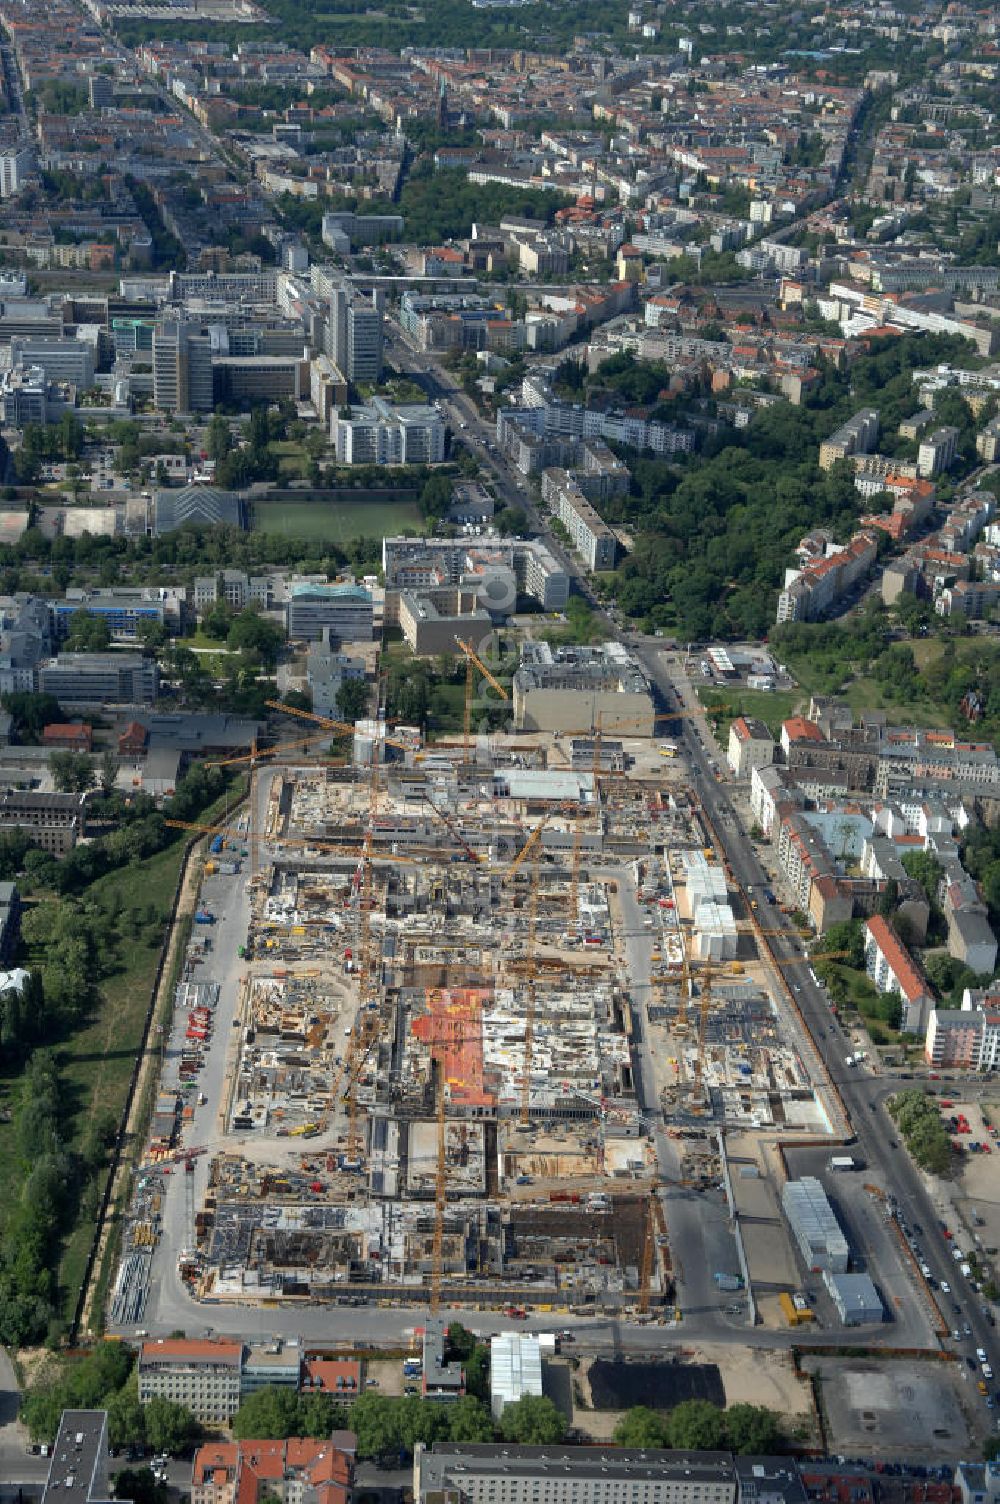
698	1222
863	1094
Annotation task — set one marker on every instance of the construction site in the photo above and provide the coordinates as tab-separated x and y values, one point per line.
477	991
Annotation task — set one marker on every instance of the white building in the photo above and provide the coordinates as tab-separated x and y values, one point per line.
751	746
380	434
202	1375
515	1370
592	539
16	162
715	937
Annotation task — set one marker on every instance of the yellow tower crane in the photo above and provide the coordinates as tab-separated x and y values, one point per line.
473	662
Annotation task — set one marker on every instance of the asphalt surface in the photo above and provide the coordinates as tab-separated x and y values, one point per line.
863	1094
698	1227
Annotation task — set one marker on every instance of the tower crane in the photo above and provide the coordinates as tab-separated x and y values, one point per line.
344	727
531	977
473	662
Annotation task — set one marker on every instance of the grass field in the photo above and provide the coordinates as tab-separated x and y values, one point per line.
770	706
96	1064
96	1059
338	523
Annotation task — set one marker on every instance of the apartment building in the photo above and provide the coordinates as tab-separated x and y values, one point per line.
344	612
858	435
810	592
17	162
936	452
123	608
380	434
954	1038
892	969
80	1465
812	873
592	539
973	599
772	795
183	380
203	1375
480	1473
423	563
69	360
55	822
355	334
295	1471
751	745
580	689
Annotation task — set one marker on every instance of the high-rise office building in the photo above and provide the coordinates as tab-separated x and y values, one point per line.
182	368
354	341
16	162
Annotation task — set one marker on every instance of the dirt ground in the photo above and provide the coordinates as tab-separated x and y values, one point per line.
896	1409
749	1376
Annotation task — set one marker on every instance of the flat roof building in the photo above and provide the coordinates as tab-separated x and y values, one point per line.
203	1375
481	1473
515	1370
814	1225
576	689
78	1471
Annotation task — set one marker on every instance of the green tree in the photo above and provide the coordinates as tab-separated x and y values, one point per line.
641	1427
352	699
217	621
751	1428
126	1417
72	772
251	633
110	768
219	438
152	635
139	1485
696	1426
270	1412
31	713
925	869
170	1427
87	633
469	1420
374	1422
532	1421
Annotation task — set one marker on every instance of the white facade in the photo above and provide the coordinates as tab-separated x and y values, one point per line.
380	434
515	1370
16	162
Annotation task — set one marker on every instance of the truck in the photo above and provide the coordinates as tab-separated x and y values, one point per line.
848	1059
729	1282
202	916
841	1162
216	845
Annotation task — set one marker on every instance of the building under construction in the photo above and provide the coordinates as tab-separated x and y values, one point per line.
435	1083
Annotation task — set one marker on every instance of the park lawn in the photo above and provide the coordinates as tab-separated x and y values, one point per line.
293	461
340	523
867	694
770	706
96	1063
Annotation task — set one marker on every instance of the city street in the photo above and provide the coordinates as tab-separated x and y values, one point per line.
863	1094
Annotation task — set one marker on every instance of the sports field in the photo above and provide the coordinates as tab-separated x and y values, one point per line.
337	522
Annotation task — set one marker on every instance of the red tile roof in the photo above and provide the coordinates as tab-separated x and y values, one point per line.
911	979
